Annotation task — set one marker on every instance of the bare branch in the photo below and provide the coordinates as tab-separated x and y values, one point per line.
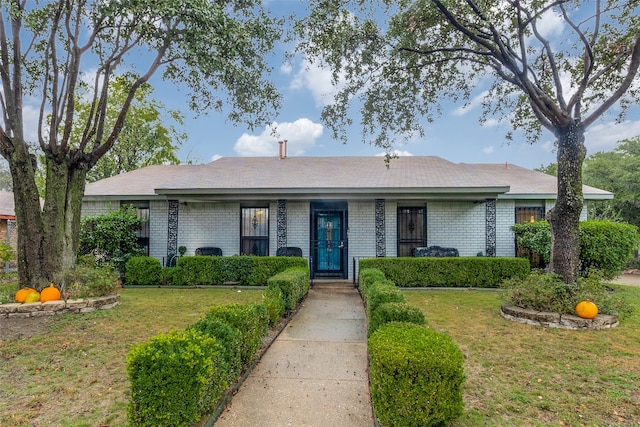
632	72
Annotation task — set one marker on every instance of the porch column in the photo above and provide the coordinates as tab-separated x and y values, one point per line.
282	223
381	239
490	205
172	231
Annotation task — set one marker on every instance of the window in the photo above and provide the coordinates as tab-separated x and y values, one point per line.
143	232
412	230
526	214
529	214
254	231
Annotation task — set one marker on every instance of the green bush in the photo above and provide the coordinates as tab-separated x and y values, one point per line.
230	340
481	272
604	245
416	376
382	292
274	301
200	271
86	282
251	320
367	276
144	271
607	246
394	312
294	284
241	270
111	237
547	292
175	379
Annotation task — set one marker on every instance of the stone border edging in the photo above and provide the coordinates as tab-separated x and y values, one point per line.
52	308
556	320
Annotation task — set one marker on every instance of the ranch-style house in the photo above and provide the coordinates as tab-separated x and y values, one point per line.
331	210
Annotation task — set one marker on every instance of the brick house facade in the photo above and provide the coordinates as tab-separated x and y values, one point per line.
336	210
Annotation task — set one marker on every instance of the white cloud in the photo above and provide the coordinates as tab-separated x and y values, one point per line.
488	150
605	136
301	135
550	24
317	80
472	104
216	157
399	153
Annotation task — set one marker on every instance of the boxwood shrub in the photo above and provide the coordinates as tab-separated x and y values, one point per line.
382	292
230	340
175	379
240	270
481	272
395	312
416	376
274	301
366	276
294	284
143	270
250	319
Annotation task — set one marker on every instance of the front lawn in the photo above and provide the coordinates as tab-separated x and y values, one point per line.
522	375
72	373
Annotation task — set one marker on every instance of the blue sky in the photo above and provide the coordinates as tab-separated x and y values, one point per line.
456	136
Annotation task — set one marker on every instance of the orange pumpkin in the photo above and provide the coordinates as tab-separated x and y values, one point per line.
50	293
587	309
23	293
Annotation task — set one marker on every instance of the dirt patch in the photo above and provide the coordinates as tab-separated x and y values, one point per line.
12	327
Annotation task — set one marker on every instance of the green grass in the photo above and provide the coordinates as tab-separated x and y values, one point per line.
522	375
73	372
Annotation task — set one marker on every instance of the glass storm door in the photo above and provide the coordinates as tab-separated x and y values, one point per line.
330	244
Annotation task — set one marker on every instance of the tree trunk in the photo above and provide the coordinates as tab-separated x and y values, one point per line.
564	217
31	271
48	237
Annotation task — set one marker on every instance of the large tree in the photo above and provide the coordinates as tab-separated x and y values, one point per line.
216	50
147	136
403	68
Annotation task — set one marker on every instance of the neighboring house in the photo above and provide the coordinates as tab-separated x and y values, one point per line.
335	209
8	228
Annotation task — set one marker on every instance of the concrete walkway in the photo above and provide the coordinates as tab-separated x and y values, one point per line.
315	372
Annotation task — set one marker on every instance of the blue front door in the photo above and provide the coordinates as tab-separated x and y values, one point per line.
329	243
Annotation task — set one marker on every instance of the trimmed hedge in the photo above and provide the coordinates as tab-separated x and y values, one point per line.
294	284
382	292
395	312
230	340
367	276
143	270
416	376
250	319
480	272
241	270
175	378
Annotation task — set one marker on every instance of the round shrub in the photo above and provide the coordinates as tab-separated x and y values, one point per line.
395	312
381	292
416	376
230	340
174	379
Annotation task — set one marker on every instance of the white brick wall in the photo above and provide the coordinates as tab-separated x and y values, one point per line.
459	225
298	227
209	224
505	218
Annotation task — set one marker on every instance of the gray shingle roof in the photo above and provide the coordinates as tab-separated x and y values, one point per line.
419	175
